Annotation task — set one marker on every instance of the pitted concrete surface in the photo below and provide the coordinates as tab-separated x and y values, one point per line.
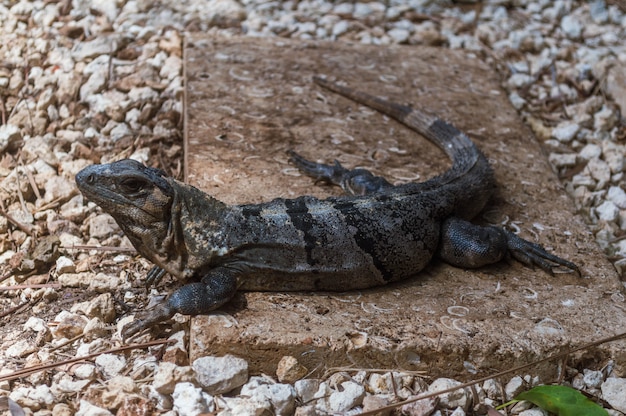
249	100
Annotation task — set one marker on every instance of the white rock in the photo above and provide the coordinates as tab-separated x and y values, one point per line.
46	99
65	265
600	171
106	7
100	45
69	135
140	94
533	412
306	389
245	406
219	375
452	400
614	156
120	131
35	324
33	398
590	151
100	64
593	378
306	410
607	211
110	365
458	412
162	402
95	328
85	371
88	409
171	67
222	11
20	348
514	387
61	57
306	27
582	179
605	119
343	8
106	283
75	279
598	11
40	147
399	35
362	10
73	210
571	26
493	389
419	407
87	348
102	306
350	396
340	28
117	390
102	226
516	100
562	160
58	188
617	196
616	84
565	131
9	135
191	400
67	384
469	42
170	374
114	103
281	396
94	84
613	392
577	382
22	8
519	80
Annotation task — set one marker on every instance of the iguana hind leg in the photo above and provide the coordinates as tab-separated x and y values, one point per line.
468	245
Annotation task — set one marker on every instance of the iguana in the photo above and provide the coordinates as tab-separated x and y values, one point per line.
377	234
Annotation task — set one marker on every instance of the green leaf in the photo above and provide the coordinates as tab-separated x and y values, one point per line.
562	401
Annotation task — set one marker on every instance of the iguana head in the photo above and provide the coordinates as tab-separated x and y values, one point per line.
138	197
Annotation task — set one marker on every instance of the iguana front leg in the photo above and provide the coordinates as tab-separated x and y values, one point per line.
468	245
214	290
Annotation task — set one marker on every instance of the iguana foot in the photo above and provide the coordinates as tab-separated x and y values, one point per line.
146	319
532	254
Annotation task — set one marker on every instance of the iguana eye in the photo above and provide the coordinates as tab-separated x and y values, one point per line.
133	184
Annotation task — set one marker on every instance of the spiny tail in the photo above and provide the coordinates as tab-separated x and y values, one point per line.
455	143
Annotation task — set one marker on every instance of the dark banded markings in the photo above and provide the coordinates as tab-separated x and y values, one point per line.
302	220
369	237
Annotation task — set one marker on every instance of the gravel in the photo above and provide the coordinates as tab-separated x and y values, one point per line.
92	81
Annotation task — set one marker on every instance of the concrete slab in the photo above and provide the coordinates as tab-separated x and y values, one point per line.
249	100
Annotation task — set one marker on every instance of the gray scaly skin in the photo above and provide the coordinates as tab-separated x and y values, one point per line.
377	234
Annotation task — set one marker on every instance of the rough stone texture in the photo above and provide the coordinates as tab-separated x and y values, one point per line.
249	100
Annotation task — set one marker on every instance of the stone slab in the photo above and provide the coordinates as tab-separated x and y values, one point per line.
249	100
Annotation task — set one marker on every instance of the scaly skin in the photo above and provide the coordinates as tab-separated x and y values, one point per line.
376	234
